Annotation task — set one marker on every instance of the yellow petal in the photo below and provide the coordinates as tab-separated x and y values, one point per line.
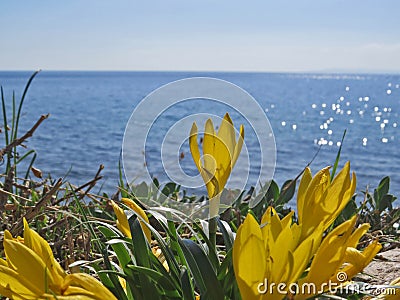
275	226
313	213
90	284
346	198
287	220
301	194
73	292
223	151
330	254
357	234
69	297
226	134
238	146
226	149
340	184
280	256
248	252
318	185
194	147
210	164
140	212
356	261
301	255
122	220
339	194
223	161
209	146
29	266
8	235
12	286
3	263
40	246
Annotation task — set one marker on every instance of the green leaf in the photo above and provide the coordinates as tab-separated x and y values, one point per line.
386	202
119	247
212	255
187	289
142	252
272	192
382	189
167	286
227	233
142	190
169	188
226	276
111	280
203	273
287	192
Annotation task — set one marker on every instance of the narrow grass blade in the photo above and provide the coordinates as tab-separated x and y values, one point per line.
338	156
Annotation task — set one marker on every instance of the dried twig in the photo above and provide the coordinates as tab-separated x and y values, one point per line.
33	211
8	183
89	186
19	141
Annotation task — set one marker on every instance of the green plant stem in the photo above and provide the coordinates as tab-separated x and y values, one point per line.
212	227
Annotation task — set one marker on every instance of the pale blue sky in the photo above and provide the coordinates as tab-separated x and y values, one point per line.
278	36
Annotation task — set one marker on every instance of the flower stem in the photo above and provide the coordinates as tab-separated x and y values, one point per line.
212	221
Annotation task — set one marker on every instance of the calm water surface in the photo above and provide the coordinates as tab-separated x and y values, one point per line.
89	111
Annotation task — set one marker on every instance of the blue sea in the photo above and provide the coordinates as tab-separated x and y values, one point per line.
307	113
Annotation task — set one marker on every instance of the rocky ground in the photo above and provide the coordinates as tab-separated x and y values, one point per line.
384	268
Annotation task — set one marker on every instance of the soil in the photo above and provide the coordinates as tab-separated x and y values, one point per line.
383	269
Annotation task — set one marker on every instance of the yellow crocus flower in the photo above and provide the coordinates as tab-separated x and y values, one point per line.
279	252
30	271
123	226
320	201
337	254
220	153
270	254
122	219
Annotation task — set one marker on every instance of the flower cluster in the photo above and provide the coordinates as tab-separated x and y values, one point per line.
280	250
31	272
